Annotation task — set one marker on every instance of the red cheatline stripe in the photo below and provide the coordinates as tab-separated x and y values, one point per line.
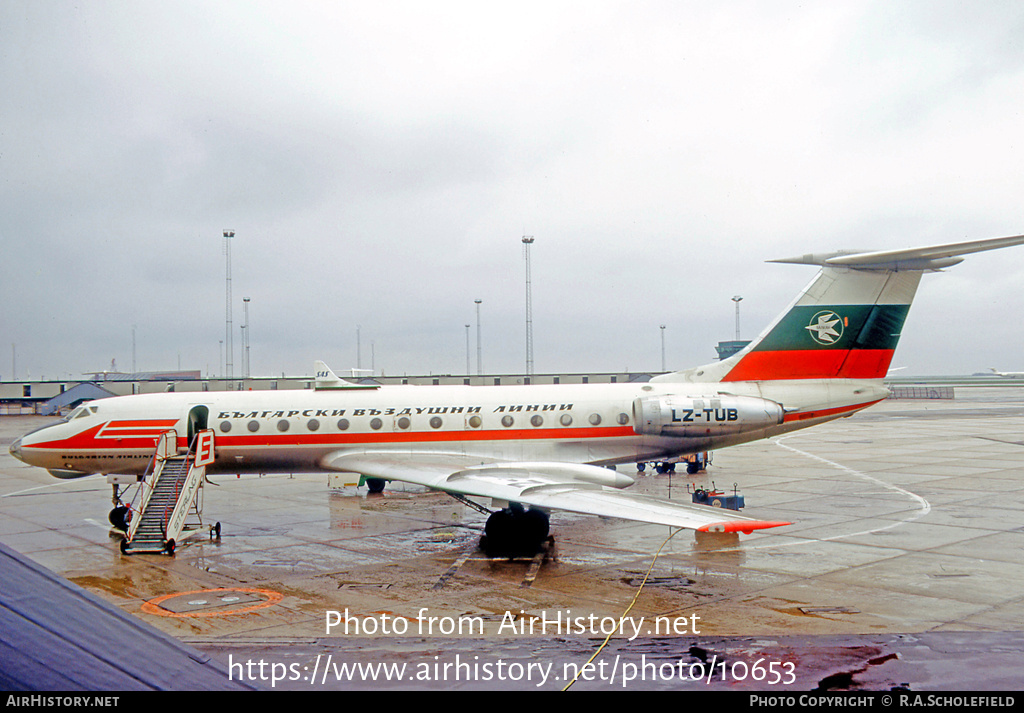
89	439
805	415
138	429
129	432
144	423
333	439
96	437
812	364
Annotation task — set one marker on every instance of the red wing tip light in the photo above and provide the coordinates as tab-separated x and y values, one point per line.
744	526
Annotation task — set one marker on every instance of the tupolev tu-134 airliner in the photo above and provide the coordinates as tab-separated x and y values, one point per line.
537	448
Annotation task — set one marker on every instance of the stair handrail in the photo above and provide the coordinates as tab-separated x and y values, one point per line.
142	484
146	488
171	504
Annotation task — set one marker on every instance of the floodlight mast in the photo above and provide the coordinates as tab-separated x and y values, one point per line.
663	347
527	242
229	343
246	370
737	300
479	350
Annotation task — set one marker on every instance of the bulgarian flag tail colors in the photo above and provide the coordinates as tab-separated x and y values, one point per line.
847	322
844	325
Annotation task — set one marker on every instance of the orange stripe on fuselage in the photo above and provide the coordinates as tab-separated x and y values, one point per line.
93	439
805	415
146	423
335	439
135	434
812	364
131	432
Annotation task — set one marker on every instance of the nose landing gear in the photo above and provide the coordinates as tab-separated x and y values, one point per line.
119	517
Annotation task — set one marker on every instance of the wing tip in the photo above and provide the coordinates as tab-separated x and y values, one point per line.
744	526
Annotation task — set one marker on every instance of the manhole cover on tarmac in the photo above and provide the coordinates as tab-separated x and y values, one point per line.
212	602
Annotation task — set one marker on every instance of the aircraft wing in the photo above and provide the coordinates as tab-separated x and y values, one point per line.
556	486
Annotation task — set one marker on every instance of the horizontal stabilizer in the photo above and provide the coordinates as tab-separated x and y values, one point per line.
934	257
847	321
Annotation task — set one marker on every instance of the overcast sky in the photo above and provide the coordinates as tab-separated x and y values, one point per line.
379	163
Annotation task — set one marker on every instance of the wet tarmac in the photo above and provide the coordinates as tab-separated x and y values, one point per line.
903	568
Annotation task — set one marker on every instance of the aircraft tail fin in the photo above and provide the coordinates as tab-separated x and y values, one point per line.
847	322
327	379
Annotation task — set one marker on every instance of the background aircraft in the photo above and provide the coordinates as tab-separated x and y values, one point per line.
1008	374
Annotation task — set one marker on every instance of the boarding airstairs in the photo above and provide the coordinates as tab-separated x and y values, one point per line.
168	494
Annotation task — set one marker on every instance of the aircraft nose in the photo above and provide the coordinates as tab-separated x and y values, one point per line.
16	448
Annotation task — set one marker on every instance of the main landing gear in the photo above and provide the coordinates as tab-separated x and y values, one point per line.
695	463
515	532
509	533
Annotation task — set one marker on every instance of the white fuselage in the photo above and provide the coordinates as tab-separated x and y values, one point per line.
295	430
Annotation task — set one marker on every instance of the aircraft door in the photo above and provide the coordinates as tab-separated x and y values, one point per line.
198	418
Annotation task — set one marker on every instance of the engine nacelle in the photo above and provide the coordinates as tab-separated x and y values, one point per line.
696	417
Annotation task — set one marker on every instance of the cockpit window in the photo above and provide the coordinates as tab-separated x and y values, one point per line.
81	412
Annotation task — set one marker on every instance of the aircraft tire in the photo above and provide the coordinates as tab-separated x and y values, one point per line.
515	533
375	485
119	517
533	528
